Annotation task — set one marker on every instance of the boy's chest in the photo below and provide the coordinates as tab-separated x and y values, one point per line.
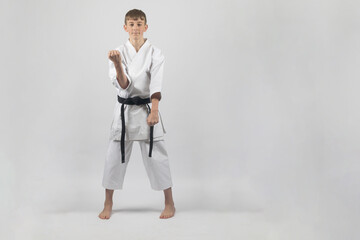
137	63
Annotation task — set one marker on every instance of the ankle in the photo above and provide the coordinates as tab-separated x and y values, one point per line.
169	202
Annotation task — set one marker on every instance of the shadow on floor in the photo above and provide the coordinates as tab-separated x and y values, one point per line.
136	209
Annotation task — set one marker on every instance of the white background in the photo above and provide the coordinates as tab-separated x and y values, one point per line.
260	103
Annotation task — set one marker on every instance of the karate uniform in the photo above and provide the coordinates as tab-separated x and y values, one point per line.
144	71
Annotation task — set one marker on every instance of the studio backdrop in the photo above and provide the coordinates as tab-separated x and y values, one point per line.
260	102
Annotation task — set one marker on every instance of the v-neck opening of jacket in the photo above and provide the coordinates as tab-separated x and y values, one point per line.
140	49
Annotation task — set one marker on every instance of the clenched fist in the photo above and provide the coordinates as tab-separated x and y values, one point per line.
153	118
114	56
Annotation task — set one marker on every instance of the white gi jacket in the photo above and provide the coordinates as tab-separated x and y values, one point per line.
144	70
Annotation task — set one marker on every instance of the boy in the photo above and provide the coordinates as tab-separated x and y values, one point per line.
136	70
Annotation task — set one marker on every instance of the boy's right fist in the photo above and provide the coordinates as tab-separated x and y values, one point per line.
114	55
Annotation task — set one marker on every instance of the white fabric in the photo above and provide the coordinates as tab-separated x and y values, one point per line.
144	70
157	166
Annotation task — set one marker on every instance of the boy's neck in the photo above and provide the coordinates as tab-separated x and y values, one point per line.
137	43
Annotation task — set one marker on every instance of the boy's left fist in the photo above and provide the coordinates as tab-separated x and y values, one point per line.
153	118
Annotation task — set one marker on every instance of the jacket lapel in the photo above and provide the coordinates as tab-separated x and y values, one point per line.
134	62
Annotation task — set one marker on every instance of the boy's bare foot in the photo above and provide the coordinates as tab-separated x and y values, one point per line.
106	213
168	212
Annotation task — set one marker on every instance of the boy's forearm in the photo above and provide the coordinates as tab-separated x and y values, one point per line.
154	104
155	99
120	76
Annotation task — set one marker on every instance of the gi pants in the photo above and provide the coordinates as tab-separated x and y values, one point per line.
157	166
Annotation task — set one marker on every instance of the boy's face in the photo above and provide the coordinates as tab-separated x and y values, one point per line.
135	28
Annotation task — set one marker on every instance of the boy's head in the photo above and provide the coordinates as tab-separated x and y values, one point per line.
135	24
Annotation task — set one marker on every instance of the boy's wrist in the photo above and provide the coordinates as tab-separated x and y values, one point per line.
118	66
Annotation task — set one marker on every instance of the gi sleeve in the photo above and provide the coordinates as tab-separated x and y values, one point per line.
156	73
112	75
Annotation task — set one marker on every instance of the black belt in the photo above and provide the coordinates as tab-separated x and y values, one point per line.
133	101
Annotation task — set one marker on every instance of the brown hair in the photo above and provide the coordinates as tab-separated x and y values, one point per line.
135	14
